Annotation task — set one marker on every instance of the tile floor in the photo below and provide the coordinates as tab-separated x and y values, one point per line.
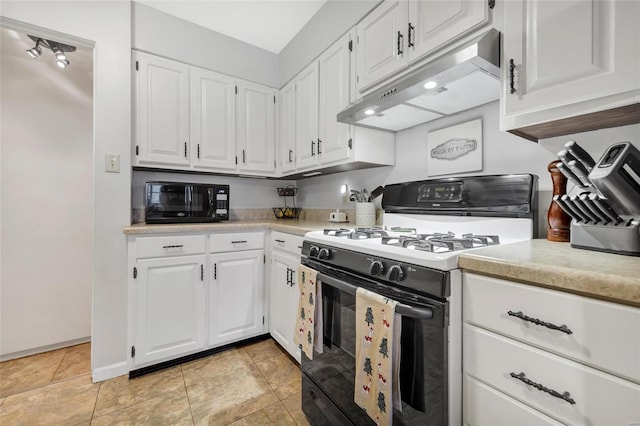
256	384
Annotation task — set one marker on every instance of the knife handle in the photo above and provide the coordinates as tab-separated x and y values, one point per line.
579	170
574	209
584	199
564	169
581	155
563	205
605	208
583	208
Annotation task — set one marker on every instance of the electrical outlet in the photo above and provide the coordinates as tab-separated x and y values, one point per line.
112	163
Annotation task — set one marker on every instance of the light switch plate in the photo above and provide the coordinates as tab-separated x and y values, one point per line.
112	163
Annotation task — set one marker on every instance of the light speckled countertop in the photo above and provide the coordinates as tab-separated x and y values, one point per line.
544	263
290	226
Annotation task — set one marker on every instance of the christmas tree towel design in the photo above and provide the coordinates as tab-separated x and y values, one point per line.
304	332
374	355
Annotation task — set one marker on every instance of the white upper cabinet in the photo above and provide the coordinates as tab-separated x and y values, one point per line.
381	43
189	118
256	128
287	128
567	58
400	32
335	69
161	111
213	120
433	23
306	116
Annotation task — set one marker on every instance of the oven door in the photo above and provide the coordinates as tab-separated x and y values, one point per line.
328	379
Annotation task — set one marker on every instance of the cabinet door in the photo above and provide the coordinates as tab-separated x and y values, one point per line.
433	24
236	296
283	301
213	120
335	88
170	308
381	40
307	116
256	128
568	51
287	139
162	111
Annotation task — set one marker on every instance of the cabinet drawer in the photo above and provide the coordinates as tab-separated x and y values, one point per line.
236	242
599	398
486	406
177	245
603	334
286	242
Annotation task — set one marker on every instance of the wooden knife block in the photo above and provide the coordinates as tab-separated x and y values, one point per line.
559	222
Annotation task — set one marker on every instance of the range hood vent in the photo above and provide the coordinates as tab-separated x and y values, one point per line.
462	79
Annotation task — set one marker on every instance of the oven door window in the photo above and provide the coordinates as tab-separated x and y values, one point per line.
423	365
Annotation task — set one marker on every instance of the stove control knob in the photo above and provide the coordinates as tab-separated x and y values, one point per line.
313	251
324	254
395	273
376	268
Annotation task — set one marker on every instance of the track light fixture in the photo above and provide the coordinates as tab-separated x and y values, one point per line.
58	50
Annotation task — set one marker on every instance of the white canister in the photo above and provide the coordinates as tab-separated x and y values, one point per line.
365	214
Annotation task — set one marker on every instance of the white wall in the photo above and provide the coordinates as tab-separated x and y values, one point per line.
165	35
333	20
47	200
108	24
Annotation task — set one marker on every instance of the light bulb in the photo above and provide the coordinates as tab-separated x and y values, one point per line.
62	63
430	85
34	52
369	112
59	53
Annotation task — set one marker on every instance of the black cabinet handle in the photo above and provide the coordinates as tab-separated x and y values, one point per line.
313	145
215	271
201	272
512	76
536	321
319	152
185	150
175	246
565	395
244	157
411	29
239	242
280	241
198	151
290	153
400	39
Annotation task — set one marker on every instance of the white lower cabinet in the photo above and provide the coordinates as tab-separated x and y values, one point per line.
539	356
170	308
236	296
283	290
183	300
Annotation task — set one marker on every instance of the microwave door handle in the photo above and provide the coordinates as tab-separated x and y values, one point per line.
401	308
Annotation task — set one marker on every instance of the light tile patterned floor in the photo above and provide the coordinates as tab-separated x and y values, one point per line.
257	384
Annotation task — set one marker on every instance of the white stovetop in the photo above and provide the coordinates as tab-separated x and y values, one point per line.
508	230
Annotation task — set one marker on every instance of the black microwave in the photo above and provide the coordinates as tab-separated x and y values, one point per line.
178	202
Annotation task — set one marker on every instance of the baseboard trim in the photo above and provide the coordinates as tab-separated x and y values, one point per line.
41	349
109	372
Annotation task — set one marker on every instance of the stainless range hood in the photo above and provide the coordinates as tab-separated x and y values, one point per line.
462	79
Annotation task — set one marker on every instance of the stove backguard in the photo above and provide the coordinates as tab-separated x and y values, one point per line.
509	196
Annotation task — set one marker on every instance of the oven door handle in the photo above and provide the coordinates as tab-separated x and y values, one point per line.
401	308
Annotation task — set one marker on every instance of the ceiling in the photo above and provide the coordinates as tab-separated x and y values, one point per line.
268	24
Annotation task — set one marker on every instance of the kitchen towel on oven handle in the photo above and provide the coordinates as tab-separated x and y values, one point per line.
378	332
308	332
